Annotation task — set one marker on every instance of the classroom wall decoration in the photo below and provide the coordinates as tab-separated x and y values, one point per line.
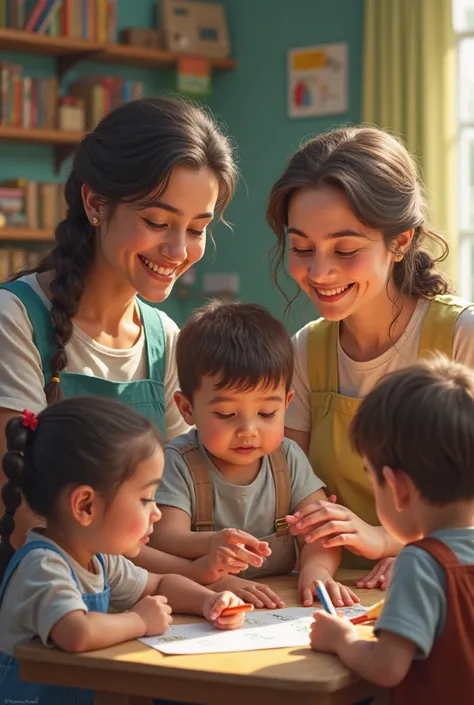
317	80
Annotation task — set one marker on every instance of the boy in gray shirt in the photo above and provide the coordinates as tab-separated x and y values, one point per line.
229	483
415	431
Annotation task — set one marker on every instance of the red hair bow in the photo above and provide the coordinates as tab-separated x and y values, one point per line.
29	420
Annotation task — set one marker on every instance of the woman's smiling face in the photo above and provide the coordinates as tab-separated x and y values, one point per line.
341	264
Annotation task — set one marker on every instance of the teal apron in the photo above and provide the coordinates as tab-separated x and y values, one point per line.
145	396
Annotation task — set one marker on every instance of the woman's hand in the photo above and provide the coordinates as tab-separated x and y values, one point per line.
336	525
379	576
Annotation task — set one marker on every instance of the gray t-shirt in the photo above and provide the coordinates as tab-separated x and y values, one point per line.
248	507
42	590
415	606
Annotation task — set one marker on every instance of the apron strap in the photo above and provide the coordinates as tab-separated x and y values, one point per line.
40	321
322	355
438	327
196	464
155	340
281	478
22	552
438	550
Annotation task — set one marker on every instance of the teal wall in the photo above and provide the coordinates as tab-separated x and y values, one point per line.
252	101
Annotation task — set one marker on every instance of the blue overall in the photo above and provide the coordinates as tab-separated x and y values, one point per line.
145	395
12	688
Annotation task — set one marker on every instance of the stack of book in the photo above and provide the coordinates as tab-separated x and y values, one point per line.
78	19
100	94
25	101
15	259
31	204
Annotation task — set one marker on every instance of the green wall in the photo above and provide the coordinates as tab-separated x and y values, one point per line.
252	102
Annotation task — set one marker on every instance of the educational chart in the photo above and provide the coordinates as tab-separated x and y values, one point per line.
317	80
262	629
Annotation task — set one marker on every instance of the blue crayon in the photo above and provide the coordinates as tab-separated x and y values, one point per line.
324	598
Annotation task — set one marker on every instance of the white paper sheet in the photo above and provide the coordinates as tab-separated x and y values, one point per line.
262	629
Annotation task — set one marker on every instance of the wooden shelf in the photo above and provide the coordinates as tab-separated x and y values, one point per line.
70	51
25	234
63	142
40	135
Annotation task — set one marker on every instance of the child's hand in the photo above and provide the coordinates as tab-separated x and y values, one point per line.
336	525
155	613
257	594
216	604
328	632
379	576
341	595
234	550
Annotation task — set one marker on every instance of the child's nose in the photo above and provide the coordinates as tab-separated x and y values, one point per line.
247	430
156	514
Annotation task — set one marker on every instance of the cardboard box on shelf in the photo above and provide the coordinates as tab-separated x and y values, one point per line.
192	27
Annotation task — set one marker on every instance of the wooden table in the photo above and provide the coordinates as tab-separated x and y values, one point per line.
132	673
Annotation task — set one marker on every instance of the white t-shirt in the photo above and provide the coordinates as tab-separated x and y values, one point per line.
42	590
356	379
21	373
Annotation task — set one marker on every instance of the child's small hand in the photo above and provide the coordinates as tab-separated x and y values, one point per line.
328	632
234	550
341	595
155	613
257	594
216	604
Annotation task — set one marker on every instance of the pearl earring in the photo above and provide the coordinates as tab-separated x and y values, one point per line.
95	220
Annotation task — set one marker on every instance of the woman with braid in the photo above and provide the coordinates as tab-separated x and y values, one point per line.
143	189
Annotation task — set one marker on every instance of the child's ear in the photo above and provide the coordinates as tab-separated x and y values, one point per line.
185	407
289	397
83	504
399	486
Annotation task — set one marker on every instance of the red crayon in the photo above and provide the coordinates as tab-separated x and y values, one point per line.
229	611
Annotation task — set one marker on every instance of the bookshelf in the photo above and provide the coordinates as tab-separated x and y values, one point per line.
20	234
68	52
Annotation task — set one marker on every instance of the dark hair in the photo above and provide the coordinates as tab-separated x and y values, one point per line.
379	179
420	420
81	441
241	345
129	157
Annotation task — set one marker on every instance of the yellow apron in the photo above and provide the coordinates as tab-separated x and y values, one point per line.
330	452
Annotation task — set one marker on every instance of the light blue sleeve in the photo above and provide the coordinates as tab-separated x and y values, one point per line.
176	487
415	606
302	478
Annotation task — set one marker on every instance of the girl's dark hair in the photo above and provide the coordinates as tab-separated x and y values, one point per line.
81	441
379	179
129	157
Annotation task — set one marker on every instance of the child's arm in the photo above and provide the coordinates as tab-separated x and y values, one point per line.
173	534
319	563
87	631
384	662
187	597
